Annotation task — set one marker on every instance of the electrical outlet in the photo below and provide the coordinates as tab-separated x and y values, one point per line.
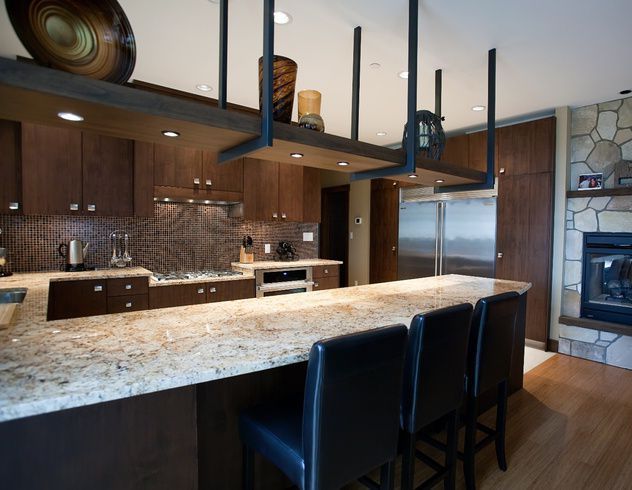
266	248
355	283
308	236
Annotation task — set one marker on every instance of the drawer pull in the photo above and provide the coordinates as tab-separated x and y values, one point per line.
74	206
128	286
499	255
212	290
283	215
316	285
209	182
200	290
14	205
502	170
196	181
275	215
128	304
92	208
326	271
98	289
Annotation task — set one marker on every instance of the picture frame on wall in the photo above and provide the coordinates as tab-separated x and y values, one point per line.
590	182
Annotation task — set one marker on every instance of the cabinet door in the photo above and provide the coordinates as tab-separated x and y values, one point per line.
224	177
456	150
176	295
108	175
290	192
242	289
74	299
176	166
10	194
477	151
527	148
51	170
311	195
261	190
384	230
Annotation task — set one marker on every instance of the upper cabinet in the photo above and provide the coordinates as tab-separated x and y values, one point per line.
456	150
66	171
222	177
10	192
279	191
526	148
176	166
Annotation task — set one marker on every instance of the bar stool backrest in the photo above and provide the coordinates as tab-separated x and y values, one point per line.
351	407
434	370
491	341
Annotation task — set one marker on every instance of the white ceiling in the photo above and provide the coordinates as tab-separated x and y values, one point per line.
549	53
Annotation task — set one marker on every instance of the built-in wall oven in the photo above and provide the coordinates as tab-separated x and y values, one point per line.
289	280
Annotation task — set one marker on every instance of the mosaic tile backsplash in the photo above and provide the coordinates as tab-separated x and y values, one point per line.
178	237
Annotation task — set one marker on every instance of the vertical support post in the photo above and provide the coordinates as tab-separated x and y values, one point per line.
413	136
438	90
223	53
355	91
491	117
268	58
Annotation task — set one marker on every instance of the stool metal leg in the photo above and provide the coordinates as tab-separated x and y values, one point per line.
248	468
387	476
470	443
449	483
408	461
501	422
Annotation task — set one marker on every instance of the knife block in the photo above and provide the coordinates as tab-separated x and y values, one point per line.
246	258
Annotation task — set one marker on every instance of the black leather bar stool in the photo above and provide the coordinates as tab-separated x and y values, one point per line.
348	423
434	386
489	364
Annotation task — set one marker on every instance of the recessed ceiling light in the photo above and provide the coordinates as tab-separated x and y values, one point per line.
204	87
281	17
342	164
381	133
296	155
478	108
375	66
70	116
403	74
171	134
412	176
626	92
439	181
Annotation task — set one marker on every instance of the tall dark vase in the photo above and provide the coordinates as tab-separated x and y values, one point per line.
283	86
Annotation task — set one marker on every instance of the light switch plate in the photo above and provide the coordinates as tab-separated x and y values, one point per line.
308	236
266	248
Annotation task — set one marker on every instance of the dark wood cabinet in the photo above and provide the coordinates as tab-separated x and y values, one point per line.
527	148
230	290
124	304
384	230
323	283
280	191
51	170
457	150
108	175
126	286
10	191
222	177
73	299
189	294
477	151
177	166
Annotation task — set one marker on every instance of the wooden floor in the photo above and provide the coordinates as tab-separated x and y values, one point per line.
569	428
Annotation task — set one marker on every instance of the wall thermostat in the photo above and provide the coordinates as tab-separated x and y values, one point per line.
358	221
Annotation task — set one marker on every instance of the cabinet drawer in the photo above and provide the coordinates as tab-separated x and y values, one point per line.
325	271
326	283
128	286
177	295
121	304
74	299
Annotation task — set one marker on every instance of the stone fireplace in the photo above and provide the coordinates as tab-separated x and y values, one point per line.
601	136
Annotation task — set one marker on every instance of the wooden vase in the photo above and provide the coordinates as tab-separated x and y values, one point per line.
283	86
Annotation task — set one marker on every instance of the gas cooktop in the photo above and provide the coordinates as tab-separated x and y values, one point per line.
203	274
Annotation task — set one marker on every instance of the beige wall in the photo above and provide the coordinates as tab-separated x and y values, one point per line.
359	207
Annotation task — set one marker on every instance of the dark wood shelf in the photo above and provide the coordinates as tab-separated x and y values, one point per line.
596	325
32	93
619	191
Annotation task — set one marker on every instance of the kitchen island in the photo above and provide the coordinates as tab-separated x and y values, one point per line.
150	398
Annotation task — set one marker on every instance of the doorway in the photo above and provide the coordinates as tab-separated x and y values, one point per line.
334	228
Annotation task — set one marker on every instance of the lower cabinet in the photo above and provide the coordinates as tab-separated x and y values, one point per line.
326	277
73	299
191	294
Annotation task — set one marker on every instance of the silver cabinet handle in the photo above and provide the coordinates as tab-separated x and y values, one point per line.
212	290
316	285
14	205
128	304
501	170
92	207
196	181
200	290
128	286
74	206
98	289
275	215
283	215
209	182
326	271
499	255
394	248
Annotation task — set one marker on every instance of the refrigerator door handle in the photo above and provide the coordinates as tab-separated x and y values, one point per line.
441	233
437	238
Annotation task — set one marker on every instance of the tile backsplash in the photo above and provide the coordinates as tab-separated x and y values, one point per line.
178	237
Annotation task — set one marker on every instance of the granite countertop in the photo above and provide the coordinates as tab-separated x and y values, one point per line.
50	366
278	264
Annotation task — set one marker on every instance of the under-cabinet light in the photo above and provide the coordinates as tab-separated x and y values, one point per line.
70	116
439	181
412	176
171	134
296	155
342	164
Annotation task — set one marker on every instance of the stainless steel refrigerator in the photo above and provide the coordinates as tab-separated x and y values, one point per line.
456	236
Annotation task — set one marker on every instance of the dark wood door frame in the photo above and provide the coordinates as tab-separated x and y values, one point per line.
334	233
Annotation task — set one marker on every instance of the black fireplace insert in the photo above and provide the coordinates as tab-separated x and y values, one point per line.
607	277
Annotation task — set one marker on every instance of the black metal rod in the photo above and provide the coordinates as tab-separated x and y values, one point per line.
355	91
223	53
491	116
438	89
268	58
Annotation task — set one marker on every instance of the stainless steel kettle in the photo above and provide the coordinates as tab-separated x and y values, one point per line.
75	254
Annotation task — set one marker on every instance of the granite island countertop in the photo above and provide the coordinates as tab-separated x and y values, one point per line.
51	366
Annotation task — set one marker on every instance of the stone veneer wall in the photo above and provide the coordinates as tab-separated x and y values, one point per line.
601	136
